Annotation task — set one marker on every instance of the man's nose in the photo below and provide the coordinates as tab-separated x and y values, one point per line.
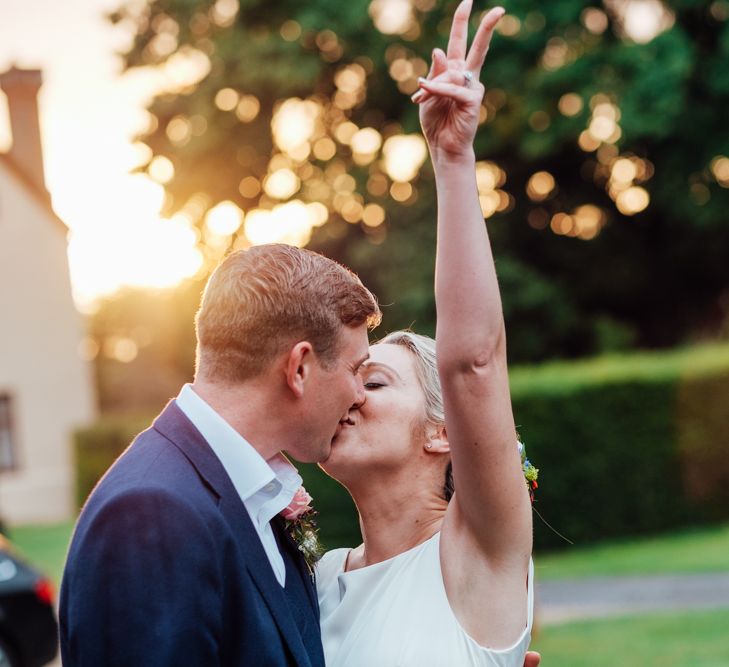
360	396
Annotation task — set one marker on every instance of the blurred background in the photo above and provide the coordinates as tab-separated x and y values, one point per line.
141	141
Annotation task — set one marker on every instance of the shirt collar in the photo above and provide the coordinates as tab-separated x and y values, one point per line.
265	487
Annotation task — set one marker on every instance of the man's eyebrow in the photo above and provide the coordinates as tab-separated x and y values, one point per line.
371	364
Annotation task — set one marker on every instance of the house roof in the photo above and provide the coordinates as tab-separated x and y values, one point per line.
40	195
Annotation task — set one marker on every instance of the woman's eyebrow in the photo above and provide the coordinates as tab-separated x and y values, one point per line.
378	364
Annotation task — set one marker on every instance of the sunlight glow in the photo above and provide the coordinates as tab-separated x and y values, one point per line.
133	246
392	17
224	219
645	19
404	155
281	184
290	223
366	142
161	169
182	69
294	123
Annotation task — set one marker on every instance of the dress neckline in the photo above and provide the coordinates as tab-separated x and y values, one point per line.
383	563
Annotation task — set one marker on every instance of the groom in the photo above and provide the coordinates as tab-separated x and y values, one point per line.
178	557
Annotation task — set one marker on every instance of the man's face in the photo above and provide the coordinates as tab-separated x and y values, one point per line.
333	389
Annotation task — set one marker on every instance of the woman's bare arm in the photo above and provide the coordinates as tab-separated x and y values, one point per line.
491	500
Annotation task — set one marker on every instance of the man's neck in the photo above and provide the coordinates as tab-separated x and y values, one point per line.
247	407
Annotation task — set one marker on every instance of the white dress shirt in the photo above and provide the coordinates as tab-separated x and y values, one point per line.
265	487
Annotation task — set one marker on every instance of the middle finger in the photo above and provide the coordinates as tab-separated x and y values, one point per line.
480	46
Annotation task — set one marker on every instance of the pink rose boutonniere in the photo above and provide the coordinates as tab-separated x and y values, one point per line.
300	504
300	519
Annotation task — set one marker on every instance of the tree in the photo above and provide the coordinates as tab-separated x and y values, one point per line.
604	173
143	345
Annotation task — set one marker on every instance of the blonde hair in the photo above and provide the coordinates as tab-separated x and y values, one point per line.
261	300
426	370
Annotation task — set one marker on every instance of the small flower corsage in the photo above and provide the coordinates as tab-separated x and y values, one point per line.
530	472
300	524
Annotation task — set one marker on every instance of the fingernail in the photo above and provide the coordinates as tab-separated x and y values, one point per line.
417	96
422	79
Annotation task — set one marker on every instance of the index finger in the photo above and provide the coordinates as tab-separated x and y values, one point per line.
480	46
458	40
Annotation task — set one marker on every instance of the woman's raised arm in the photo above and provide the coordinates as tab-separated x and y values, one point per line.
491	500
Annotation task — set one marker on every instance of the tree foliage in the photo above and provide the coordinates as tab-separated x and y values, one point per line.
603	174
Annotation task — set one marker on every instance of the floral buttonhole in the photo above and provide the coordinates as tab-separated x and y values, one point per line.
530	472
300	523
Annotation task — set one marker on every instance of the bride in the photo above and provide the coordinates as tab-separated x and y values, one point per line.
442	577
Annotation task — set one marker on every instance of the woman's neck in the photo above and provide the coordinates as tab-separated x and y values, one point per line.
394	518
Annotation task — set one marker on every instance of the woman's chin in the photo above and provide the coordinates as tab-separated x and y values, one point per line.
334	460
339	459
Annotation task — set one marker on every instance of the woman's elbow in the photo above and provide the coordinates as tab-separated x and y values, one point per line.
475	356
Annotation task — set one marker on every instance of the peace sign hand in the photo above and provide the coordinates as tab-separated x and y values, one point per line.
450	98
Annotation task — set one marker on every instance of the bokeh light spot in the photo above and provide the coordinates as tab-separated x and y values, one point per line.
404	155
540	185
633	200
224	219
161	169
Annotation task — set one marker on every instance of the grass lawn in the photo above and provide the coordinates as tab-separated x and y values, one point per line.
701	550
704	550
697	639
44	546
694	639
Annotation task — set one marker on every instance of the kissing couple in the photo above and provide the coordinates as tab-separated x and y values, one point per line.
184	554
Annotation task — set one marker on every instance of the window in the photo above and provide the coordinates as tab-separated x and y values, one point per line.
7	444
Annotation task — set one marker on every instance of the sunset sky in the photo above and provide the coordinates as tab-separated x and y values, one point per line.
88	118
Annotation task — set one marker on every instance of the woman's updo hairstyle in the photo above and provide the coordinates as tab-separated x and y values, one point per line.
426	370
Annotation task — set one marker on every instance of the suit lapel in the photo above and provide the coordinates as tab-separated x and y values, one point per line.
262	574
176	427
308	576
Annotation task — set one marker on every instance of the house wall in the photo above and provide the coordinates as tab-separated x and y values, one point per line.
40	366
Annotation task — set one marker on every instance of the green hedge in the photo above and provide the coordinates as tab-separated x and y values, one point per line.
98	446
626	445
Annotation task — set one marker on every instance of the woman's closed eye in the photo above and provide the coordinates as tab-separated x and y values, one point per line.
373	384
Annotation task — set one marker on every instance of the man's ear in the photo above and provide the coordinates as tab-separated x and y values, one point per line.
298	367
437	439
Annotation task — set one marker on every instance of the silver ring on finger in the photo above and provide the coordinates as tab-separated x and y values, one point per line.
467	79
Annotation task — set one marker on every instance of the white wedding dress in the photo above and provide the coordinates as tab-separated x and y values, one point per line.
396	613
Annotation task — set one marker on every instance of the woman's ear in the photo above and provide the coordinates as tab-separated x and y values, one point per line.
437	439
298	367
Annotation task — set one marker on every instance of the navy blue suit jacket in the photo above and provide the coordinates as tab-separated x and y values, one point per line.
166	568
